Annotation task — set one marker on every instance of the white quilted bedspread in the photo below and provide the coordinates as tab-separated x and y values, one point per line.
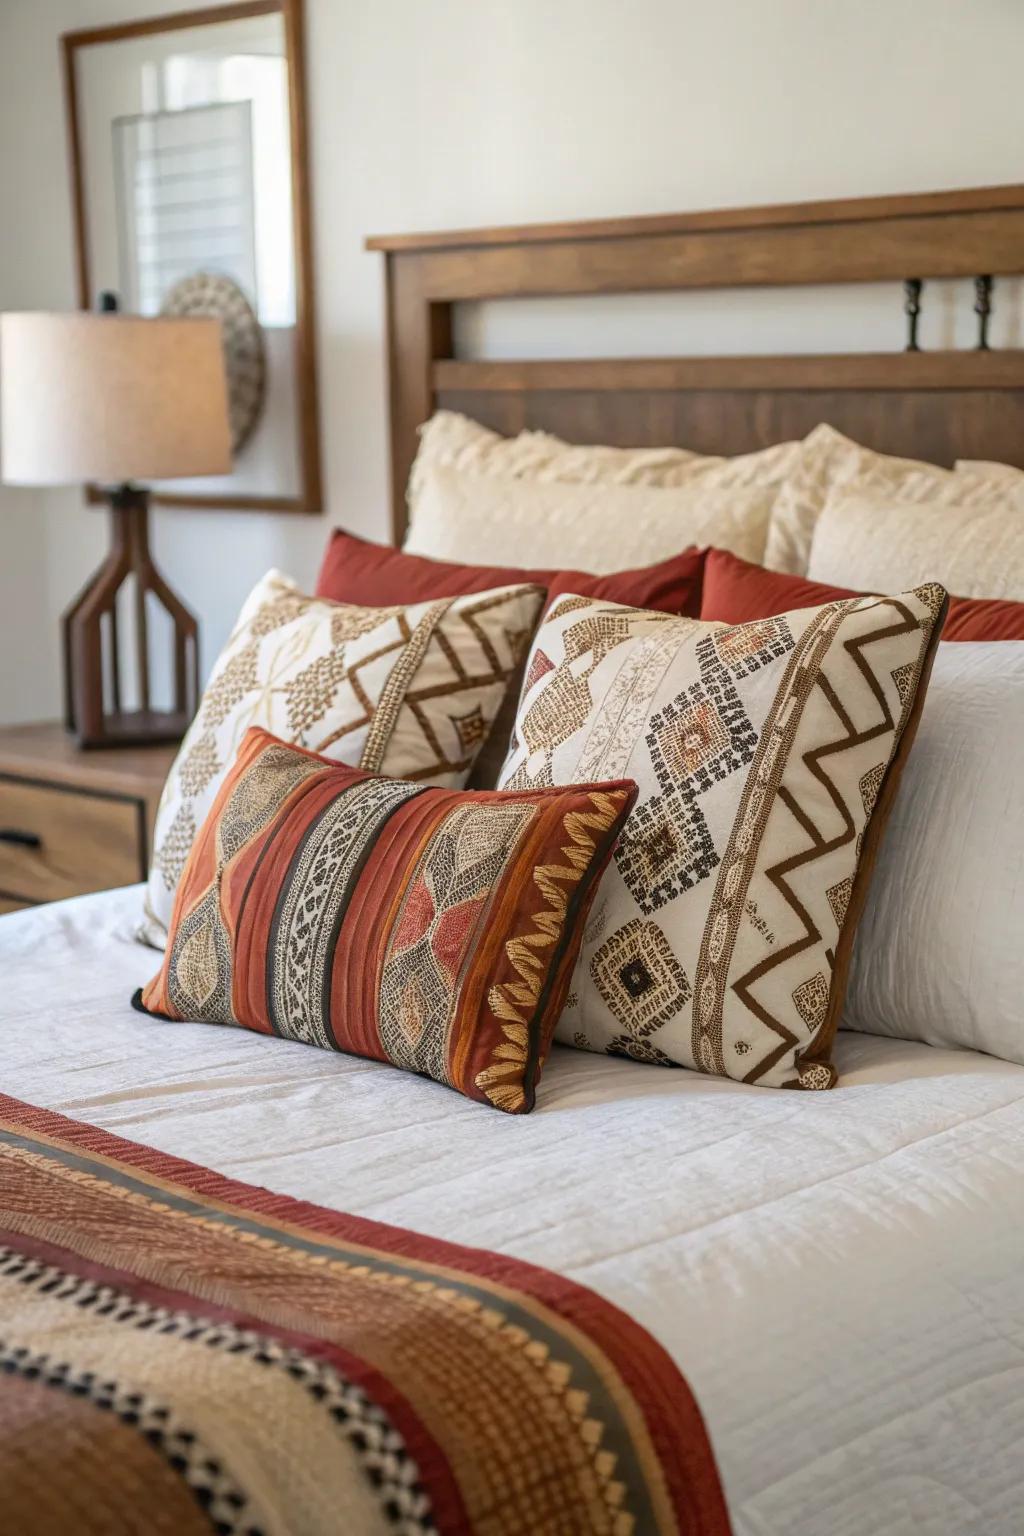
840	1276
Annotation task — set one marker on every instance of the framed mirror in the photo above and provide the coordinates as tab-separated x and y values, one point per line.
191	196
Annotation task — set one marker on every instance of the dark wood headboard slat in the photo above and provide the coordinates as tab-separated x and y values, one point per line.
950	246
869	370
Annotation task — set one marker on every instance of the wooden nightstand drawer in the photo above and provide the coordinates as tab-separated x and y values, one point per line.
70	821
57	842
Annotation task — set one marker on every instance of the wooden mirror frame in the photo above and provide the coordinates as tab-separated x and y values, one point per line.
310	494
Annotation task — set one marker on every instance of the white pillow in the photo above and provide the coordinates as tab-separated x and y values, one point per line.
939	954
826	464
480	519
974	547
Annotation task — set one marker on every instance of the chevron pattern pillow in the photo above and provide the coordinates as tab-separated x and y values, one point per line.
408	691
767	756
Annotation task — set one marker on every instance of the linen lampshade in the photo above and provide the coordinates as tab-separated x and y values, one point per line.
111	398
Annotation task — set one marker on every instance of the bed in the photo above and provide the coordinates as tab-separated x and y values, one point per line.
851	1322
852	1326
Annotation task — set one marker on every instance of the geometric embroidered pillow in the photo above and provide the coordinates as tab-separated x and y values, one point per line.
767	756
433	929
408	691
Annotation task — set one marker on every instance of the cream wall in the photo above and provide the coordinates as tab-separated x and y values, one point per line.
426	113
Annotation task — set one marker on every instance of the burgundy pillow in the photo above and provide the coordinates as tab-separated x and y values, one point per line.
735	592
356	570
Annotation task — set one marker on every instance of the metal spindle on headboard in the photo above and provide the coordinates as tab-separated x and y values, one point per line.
912	309
983	309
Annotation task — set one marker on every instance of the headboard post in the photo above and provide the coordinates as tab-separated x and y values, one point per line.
935	405
419	335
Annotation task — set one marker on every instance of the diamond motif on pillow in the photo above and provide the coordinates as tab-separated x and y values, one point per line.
811	1000
201	764
746	647
470	729
869	786
903	677
684	742
640	978
703	735
169	859
816	1076
428	928
670	850
839	899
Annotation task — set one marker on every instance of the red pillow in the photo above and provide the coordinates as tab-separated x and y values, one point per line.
355	570
736	592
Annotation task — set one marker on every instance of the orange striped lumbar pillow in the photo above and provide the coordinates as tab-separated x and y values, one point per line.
434	929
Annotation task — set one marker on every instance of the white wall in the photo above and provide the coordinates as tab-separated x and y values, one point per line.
427	113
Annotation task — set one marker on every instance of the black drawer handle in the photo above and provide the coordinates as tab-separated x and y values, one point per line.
20	839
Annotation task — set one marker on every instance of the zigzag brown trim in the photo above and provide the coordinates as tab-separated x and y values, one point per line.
820	846
779	729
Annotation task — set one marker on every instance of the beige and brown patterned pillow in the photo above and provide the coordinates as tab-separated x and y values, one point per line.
767	757
828	464
408	692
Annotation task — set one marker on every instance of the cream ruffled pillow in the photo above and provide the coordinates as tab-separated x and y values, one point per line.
827	462
452	441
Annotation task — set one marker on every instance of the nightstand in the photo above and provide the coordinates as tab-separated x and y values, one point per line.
73	821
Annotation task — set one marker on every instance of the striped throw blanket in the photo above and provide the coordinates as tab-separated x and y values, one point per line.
182	1353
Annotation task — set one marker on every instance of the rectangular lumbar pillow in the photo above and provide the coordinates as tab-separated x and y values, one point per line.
974	545
827	465
767	757
433	929
409	691
598	528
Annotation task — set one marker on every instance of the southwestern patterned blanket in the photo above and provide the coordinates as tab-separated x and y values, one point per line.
183	1353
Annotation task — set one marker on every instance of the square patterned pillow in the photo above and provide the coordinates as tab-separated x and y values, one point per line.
767	756
409	691
434	929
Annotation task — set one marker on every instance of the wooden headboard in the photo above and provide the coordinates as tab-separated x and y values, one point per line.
935	405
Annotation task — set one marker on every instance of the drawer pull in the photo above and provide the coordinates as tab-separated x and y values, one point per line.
20	839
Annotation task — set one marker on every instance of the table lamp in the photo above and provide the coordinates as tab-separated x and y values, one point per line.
116	399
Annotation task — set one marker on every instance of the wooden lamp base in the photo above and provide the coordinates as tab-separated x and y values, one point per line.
92	670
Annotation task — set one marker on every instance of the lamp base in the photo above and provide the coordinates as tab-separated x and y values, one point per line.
137	728
93	710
